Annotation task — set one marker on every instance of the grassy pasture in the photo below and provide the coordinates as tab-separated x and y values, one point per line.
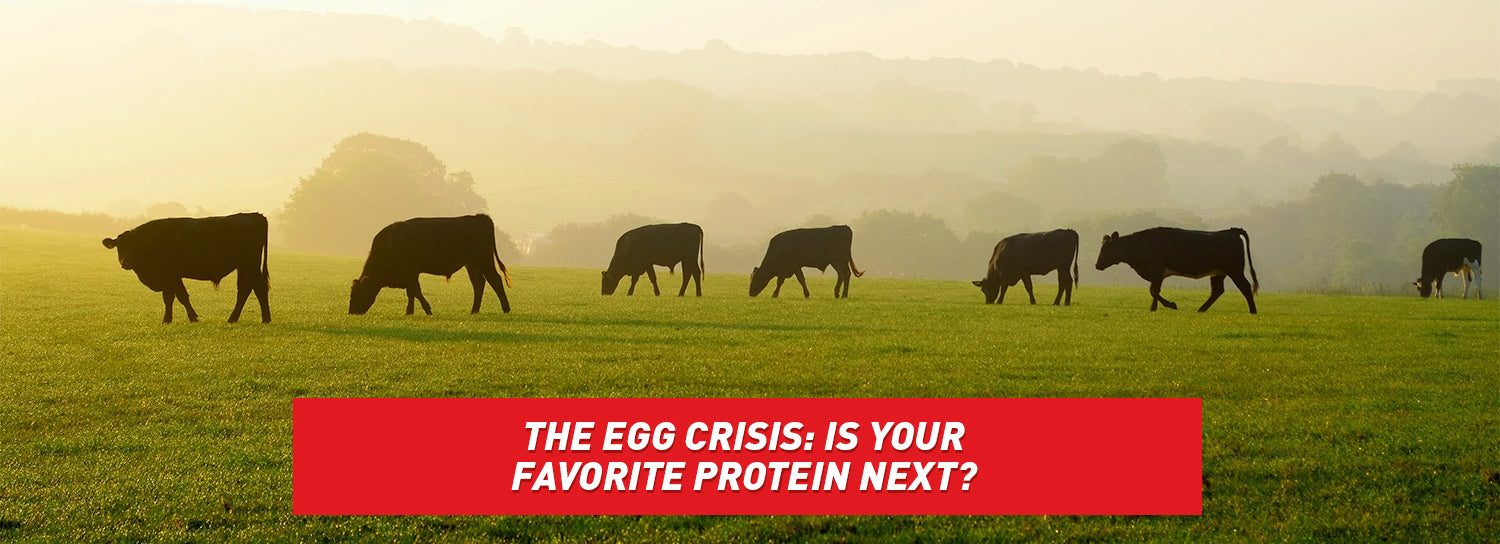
1325	417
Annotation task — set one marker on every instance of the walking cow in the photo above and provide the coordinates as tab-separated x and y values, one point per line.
1157	253
1018	257
1460	256
430	245
642	249
165	251
791	251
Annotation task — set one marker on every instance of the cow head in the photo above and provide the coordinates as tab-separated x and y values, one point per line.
758	281
362	295
991	290
1424	288
607	285
1109	252
125	249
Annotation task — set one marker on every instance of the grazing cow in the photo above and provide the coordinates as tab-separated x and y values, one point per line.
793	250
430	245
1021	256
1162	251
164	251
1457	255
641	250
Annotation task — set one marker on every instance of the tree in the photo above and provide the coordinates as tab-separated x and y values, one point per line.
588	245
1002	212
368	182
1467	206
906	245
166	209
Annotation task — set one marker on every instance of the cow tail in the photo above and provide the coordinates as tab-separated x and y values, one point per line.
1075	265
265	264
503	272
857	272
701	269
1255	282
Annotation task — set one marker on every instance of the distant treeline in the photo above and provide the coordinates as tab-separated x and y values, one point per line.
77	223
1349	235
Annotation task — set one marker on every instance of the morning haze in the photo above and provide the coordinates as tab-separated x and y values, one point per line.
748	121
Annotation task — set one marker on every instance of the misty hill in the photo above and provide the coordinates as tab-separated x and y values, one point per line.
118	106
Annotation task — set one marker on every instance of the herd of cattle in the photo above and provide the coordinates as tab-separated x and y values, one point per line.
163	252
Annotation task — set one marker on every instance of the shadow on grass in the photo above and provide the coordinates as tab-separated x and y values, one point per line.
660	324
430	335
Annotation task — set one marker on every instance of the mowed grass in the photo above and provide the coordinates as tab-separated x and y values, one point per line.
1325	417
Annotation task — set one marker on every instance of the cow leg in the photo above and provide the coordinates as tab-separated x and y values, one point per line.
633	280
1244	285
244	283
182	296
1215	288
498	284
1468	276
651	275
841	286
477	280
1479	280
1437	286
262	289
166	298
1156	297
687	272
414	291
1064	286
697	280
1026	281
779	281
803	281
240	296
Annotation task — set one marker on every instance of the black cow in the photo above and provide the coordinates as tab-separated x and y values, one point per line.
430	245
1163	251
793	250
641	250
164	251
1021	256
1457	255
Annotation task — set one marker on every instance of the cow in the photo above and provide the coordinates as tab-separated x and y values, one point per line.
1159	252
1459	256
163	252
1018	257
642	249
430	245
791	251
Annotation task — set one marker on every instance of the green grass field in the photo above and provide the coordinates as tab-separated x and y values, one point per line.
1325	417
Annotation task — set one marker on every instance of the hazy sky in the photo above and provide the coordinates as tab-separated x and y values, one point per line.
1383	43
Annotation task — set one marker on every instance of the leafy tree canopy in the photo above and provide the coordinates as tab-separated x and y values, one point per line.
368	182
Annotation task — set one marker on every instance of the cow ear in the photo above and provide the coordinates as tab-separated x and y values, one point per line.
978	283
109	243
1115	235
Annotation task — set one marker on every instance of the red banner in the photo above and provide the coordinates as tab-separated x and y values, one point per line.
747	456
